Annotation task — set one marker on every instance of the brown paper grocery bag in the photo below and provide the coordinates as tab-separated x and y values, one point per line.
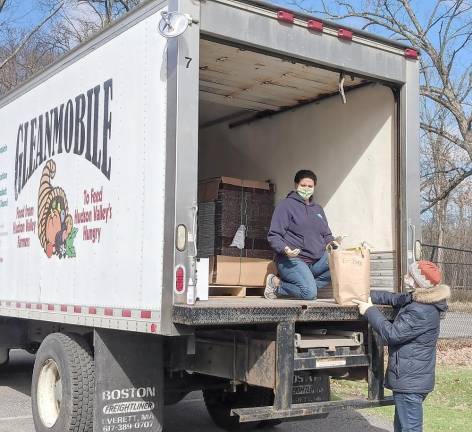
350	274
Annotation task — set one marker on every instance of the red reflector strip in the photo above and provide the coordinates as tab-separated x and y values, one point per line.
77	309
50	307
92	310
315	25
179	280
285	16
63	308
108	311
345	34
153	328
18	304
39	306
411	54
145	314
28	305
126	313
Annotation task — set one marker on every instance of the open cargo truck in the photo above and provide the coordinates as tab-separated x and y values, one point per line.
100	159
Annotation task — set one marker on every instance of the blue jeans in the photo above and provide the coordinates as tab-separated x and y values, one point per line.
301	280
408	412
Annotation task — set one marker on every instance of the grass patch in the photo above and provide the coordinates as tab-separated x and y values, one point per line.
447	408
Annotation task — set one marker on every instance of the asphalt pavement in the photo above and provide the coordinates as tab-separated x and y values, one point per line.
189	414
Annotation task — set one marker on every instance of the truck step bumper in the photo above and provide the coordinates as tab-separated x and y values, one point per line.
306	410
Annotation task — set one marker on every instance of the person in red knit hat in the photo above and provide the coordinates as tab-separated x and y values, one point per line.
411	339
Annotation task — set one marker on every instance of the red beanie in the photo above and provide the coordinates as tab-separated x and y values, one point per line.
425	273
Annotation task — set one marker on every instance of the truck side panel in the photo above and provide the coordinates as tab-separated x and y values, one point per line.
83	174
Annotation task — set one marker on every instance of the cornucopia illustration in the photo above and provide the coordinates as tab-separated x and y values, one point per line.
56	230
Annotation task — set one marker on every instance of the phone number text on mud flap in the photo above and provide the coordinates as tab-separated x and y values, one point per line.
127	426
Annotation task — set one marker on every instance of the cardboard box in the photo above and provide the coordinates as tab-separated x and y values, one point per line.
226	270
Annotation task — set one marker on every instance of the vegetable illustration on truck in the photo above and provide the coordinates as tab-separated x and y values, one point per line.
56	230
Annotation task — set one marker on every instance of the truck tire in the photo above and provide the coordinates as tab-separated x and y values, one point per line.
4	356
62	391
219	404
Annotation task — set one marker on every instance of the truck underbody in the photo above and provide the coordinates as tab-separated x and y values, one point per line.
258	362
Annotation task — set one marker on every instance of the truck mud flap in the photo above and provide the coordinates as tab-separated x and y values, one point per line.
129	382
309	387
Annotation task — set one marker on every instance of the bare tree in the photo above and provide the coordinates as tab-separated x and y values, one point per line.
22	43
443	37
65	24
79	19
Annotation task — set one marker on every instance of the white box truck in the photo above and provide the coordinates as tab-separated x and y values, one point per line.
100	157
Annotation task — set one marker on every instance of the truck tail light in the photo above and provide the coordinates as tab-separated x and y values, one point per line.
315	25
285	16
345	34
179	280
411	54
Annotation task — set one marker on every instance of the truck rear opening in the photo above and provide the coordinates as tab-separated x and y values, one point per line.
263	117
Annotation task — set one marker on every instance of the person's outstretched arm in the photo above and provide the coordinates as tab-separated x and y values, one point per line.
407	326
389	298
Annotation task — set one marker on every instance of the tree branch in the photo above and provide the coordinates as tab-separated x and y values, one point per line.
443	133
29	35
446	190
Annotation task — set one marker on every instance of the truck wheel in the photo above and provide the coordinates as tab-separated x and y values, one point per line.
173	398
62	391
4	356
219	404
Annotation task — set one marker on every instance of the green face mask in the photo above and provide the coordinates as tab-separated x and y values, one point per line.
305	192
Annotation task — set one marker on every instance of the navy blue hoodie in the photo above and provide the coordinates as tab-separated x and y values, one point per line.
299	226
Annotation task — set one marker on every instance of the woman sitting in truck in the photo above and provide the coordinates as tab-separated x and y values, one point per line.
299	234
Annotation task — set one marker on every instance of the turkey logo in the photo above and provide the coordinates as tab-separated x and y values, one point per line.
56	230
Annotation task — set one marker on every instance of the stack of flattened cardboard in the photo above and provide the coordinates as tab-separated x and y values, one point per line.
226	203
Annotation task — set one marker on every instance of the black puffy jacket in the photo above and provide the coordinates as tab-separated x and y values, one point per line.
412	336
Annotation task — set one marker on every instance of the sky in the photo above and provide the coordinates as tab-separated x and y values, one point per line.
23	12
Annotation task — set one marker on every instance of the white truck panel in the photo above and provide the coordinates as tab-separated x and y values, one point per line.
350	147
115	260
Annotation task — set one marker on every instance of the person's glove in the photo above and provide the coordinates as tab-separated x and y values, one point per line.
363	306
291	253
333	245
336	243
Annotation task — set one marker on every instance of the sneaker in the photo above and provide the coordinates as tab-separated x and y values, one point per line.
270	292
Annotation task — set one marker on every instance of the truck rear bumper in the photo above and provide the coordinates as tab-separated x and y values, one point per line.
258	310
306	410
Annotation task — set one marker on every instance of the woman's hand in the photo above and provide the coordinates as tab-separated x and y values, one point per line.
333	245
336	243
363	306
291	253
